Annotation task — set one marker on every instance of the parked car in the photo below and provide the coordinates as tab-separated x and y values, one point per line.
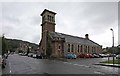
103	55
24	54
30	54
6	56
81	56
20	53
88	56
100	55
96	56
118	56
112	55
2	61
39	56
34	55
71	56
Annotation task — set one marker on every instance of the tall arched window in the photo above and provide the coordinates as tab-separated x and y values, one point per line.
78	48
88	49
81	49
68	47
72	48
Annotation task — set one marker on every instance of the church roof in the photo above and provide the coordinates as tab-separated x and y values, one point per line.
74	39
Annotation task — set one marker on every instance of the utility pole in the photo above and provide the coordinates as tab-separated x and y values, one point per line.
113	44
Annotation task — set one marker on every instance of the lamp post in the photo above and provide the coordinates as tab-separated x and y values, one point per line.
113	43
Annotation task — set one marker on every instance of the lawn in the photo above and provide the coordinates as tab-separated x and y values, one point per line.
117	61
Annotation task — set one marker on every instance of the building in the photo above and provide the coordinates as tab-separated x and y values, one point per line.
62	44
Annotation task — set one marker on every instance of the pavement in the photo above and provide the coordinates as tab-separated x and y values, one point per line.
111	65
17	64
102	64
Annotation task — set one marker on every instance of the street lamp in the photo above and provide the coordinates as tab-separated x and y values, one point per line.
113	43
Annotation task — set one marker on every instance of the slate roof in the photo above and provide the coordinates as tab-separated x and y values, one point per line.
74	39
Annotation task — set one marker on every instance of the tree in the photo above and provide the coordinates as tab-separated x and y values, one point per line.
28	50
4	45
48	50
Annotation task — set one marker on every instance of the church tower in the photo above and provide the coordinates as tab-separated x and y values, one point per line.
48	25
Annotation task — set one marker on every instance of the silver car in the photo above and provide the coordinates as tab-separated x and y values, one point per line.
118	56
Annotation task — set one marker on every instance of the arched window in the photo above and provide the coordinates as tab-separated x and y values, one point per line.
52	19
85	49
68	47
78	48
88	49
72	48
48	17
81	49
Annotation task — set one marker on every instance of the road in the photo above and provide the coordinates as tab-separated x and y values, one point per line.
17	64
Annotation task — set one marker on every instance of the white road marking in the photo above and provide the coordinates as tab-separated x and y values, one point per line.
77	64
96	72
10	71
65	62
10	67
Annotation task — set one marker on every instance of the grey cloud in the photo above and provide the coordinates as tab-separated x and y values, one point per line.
35	20
119	23
76	18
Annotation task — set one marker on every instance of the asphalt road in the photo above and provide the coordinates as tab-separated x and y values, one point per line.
17	64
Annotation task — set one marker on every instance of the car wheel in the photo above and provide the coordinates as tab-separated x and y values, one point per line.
3	66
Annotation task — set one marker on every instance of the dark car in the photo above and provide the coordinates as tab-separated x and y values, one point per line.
2	61
39	56
6	56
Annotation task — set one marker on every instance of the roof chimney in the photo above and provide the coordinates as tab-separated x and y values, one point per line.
86	36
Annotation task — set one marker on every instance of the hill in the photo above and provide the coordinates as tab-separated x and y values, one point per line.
13	44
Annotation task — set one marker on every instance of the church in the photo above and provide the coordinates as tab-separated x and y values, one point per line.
62	44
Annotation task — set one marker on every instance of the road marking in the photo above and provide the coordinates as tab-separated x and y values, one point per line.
97	72
10	67
10	71
77	64
65	62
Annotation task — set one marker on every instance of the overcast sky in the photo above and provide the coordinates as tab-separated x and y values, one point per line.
22	20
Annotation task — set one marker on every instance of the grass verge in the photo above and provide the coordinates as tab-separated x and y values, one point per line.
117	61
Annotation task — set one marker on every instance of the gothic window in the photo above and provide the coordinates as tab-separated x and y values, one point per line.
59	46
81	49
72	48
52	19
85	49
88	49
48	17
92	50
78	48
68	47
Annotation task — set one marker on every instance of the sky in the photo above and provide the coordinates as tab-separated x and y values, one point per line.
22	20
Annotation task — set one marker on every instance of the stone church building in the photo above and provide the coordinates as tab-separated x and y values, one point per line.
62	44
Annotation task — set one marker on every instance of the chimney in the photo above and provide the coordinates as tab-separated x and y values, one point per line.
86	36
